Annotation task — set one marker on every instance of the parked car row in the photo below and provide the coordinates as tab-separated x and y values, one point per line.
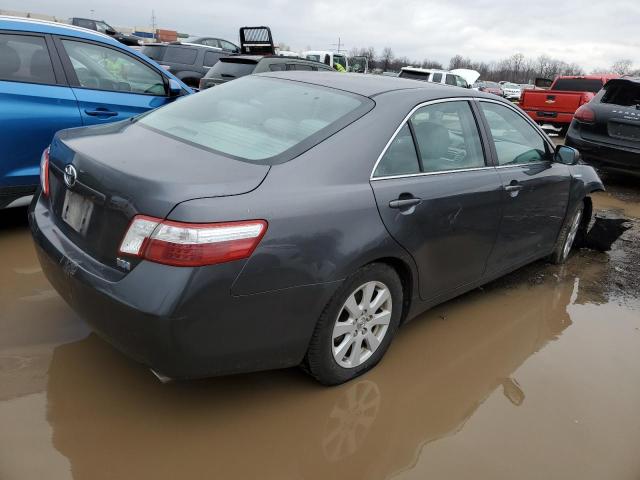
55	76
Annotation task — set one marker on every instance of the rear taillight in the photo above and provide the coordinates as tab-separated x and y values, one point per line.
201	84
585	114
191	244
44	172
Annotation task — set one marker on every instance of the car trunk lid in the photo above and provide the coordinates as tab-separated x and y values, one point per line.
125	169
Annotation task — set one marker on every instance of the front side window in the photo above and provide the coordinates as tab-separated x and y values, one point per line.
81	22
450	80
25	58
516	140
400	158
301	66
279	67
447	137
103	27
258	119
102	68
461	82
183	55
228	46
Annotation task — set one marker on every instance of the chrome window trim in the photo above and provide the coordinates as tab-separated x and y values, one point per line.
402	124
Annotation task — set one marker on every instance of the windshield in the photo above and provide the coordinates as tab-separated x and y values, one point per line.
578	85
258	119
226	68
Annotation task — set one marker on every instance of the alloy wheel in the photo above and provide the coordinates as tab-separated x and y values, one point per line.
571	236
361	325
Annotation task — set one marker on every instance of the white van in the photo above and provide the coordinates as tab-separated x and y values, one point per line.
454	78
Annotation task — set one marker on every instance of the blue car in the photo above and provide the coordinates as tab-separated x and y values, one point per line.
55	76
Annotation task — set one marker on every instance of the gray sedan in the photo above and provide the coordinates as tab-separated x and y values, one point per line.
298	218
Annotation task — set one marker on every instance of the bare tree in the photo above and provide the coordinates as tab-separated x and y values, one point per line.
386	58
428	63
622	66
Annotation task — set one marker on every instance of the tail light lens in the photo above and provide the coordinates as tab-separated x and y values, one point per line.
585	114
44	172
191	244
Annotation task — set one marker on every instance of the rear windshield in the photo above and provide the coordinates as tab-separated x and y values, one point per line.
578	85
229	69
414	75
626	94
258	119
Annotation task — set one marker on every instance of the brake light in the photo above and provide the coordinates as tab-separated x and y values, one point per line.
585	114
44	172
191	244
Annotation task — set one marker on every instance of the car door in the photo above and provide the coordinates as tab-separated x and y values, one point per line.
35	102
439	197
536	190
109	83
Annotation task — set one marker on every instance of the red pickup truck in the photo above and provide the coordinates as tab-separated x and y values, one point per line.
557	105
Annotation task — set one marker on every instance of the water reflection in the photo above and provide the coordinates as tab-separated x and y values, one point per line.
112	419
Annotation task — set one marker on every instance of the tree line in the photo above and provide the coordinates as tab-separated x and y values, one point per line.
517	68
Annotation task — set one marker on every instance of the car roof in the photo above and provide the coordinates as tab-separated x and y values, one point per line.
425	70
372	85
55	28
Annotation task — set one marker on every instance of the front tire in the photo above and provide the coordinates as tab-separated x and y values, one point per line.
357	325
572	233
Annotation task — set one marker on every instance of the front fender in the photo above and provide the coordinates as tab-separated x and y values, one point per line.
584	180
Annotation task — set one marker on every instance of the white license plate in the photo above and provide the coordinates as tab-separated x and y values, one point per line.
76	211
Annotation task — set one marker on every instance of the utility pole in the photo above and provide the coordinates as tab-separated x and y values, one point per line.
339	44
153	23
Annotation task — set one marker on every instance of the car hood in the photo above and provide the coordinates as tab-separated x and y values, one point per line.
471	76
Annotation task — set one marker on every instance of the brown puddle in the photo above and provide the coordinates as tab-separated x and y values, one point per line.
536	375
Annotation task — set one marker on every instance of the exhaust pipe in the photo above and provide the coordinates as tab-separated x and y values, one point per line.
162	378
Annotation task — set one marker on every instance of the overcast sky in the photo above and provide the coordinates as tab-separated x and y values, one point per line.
592	34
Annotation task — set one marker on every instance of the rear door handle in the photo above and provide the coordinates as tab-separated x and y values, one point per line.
513	188
101	113
405	203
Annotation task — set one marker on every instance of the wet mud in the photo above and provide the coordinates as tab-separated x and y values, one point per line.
535	375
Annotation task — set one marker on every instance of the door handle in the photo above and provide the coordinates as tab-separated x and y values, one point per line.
513	188
101	113
402	203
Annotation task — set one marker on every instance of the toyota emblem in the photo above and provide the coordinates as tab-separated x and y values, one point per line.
70	175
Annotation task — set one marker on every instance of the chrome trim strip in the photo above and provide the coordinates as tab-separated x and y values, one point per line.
423	174
543	162
393	137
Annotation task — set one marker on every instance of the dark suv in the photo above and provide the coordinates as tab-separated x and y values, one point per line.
229	68
103	27
187	61
607	129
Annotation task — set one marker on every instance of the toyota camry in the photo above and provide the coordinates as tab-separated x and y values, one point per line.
297	218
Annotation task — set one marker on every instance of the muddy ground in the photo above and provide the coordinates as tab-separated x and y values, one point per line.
534	376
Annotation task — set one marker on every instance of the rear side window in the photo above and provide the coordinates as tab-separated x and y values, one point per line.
25	58
231	69
424	76
578	85
80	22
183	55
437	78
447	137
258	119
625	94
211	58
400	158
154	52
279	67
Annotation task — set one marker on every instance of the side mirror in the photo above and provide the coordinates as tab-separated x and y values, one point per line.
110	31
566	155
175	90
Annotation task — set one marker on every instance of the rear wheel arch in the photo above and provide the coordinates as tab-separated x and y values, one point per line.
402	268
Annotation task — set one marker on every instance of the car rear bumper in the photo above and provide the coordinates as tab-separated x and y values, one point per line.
547	116
181	322
604	156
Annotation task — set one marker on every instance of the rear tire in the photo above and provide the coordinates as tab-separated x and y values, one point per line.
572	233
357	325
